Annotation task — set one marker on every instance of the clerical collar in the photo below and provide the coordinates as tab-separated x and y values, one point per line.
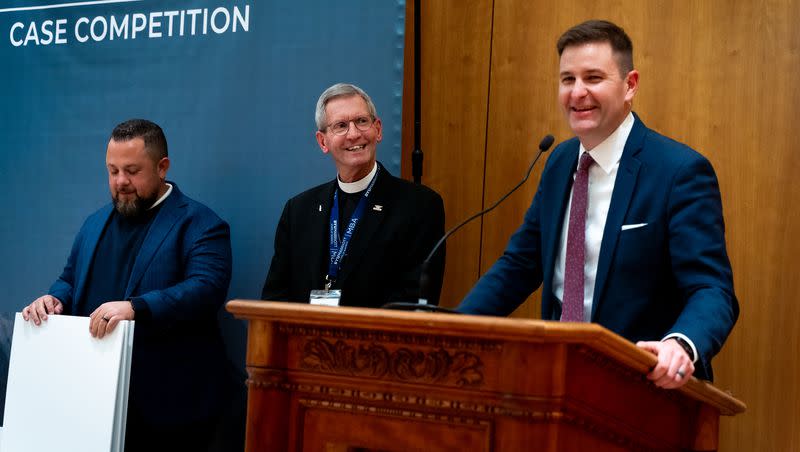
359	185
163	197
608	153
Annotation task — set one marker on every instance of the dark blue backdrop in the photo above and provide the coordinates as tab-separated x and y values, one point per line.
237	109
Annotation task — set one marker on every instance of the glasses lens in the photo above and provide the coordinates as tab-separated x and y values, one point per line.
362	123
340	128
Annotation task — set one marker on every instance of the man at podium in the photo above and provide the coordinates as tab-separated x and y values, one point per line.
155	256
626	227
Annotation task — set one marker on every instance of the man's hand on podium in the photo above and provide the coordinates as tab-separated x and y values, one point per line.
106	317
674	365
41	307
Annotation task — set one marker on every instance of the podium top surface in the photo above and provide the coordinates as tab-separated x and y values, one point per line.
477	327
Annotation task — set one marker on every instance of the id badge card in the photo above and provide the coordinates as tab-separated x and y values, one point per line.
325	297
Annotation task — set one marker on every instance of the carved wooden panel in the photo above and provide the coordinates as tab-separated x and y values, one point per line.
404	364
430	340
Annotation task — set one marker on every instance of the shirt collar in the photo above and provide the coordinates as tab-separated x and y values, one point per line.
608	153
359	185
163	197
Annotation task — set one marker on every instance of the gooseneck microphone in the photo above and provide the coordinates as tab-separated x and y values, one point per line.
424	277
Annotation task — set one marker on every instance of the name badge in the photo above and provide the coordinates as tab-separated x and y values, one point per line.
325	297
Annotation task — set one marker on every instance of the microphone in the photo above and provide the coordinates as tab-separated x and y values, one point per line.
424	277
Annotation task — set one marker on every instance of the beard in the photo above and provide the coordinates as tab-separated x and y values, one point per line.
133	208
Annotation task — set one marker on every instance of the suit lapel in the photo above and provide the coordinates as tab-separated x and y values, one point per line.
368	225
554	204
94	229
620	200
319	256
163	223
554	207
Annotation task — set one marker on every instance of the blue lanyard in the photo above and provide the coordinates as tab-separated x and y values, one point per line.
339	247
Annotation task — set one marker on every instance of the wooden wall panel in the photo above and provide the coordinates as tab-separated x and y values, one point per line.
717	75
455	81
751	106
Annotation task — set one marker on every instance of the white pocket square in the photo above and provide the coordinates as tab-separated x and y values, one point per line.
625	227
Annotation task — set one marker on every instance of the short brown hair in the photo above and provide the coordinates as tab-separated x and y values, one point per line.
601	31
155	143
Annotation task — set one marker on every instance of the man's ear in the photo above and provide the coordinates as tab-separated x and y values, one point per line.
162	167
321	142
631	84
379	127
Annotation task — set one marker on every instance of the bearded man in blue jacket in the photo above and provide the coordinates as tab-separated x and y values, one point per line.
159	258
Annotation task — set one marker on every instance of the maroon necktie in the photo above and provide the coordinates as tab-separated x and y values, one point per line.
572	303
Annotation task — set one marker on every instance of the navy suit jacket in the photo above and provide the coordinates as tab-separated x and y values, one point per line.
182	273
383	260
670	276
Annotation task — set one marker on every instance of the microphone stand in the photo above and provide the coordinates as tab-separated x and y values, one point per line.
416	154
424	277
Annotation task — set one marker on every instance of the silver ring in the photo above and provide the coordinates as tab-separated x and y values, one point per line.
106	319
681	374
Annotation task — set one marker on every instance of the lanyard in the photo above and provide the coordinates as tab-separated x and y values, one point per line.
338	247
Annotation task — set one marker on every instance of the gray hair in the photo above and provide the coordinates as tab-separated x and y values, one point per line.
340	90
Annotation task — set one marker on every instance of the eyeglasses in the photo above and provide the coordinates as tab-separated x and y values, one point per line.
362	123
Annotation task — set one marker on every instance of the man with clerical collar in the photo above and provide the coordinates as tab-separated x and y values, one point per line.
360	239
626	228
155	256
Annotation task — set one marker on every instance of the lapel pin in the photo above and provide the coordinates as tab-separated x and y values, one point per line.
320	207
377	208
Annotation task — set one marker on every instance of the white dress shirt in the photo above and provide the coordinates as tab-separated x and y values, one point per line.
602	176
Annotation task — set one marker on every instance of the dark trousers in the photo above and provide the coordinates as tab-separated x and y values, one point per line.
143	436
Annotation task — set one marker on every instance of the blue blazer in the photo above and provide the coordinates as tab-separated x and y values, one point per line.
670	276
182	273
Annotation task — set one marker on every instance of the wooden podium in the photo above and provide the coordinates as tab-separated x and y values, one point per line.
336	379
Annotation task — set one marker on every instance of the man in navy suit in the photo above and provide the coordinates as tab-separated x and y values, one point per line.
157	257
648	230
